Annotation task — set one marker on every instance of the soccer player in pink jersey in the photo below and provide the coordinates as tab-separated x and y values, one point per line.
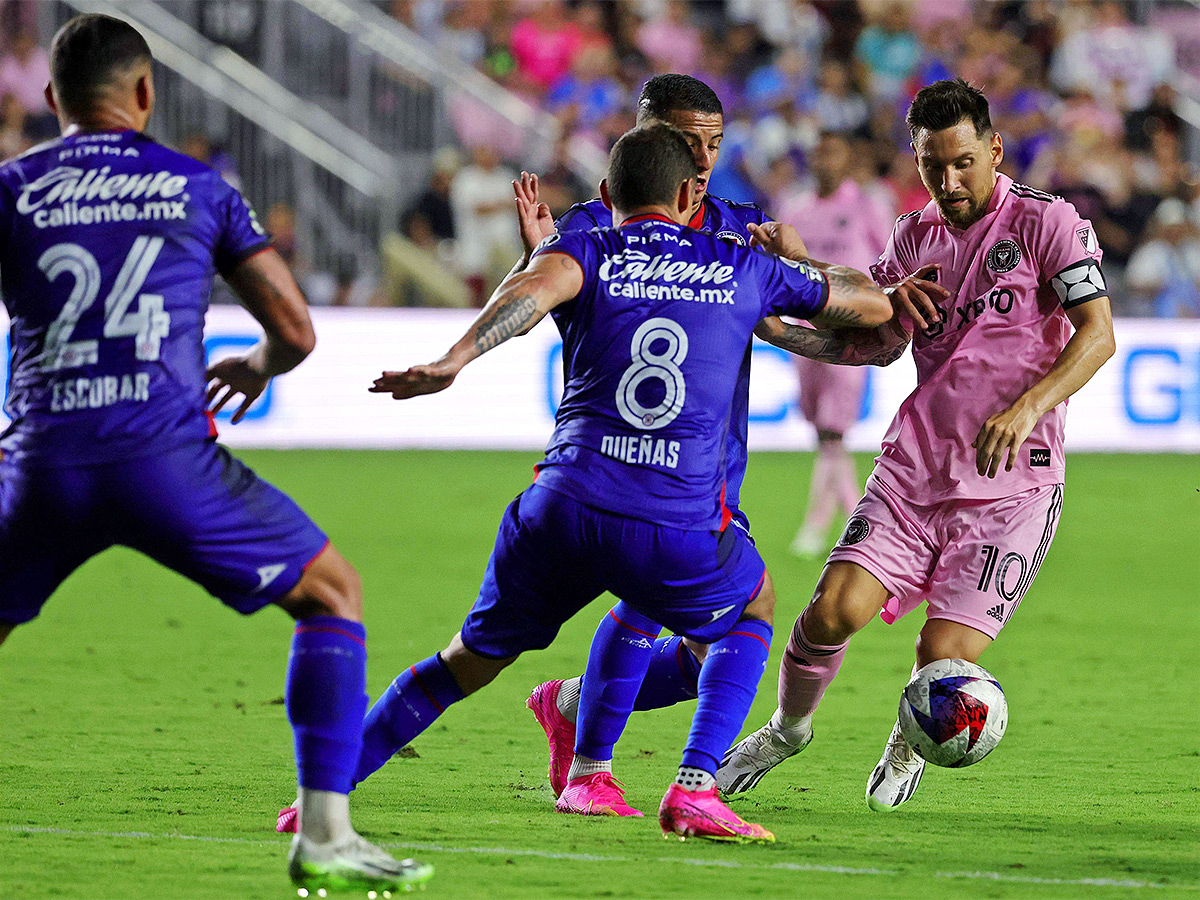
966	494
839	221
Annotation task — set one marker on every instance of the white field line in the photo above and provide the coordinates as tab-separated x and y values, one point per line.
594	857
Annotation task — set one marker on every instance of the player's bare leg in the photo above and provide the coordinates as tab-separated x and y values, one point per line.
846	599
327	852
944	639
895	779
691	807
469	669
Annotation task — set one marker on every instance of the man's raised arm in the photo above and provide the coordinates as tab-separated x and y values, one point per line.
839	337
517	305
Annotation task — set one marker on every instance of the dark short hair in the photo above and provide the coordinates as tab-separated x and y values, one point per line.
664	94
87	52
944	104
647	165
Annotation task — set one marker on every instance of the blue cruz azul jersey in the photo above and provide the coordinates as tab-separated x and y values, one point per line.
653	349
108	246
726	220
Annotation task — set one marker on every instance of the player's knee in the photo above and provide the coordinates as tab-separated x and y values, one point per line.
469	669
330	586
835	614
763	604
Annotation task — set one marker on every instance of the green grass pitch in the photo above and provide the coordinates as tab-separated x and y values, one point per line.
144	748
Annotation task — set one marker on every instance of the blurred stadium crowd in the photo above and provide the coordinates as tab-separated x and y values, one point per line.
1084	94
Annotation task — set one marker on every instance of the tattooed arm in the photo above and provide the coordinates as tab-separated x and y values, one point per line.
880	346
840	337
854	300
517	305
914	298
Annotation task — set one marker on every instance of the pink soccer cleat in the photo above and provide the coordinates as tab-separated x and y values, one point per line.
560	731
702	814
595	795
288	821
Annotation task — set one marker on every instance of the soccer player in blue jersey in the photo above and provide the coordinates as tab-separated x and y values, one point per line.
694	109
108	247
655	319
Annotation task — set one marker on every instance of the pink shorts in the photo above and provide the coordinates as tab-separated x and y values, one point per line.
830	396
971	560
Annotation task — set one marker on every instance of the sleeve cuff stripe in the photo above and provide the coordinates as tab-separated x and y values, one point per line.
228	265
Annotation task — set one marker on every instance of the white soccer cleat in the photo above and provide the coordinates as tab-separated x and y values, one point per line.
353	864
896	777
753	757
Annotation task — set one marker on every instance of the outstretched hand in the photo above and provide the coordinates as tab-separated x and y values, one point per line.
533	217
414	382
778	238
232	376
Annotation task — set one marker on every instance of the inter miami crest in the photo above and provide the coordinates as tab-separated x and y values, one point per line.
1004	256
856	531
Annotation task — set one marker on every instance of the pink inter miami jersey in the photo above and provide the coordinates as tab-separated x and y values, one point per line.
850	228
1012	274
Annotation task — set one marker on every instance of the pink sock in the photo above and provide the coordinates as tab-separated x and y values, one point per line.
822	492
806	671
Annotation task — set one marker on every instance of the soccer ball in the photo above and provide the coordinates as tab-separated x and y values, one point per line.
953	713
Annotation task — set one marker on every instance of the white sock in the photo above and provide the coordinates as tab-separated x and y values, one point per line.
325	816
693	779
568	698
793	730
581	766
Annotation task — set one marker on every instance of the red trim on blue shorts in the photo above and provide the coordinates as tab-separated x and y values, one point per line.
425	690
630	627
212	423
324	547
301	628
758	587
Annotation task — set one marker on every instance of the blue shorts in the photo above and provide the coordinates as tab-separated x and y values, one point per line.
555	555
196	510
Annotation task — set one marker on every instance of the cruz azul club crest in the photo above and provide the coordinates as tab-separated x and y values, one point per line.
1004	256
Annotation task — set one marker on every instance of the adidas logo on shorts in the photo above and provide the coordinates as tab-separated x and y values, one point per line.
997	612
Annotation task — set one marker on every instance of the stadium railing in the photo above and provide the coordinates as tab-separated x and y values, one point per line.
287	149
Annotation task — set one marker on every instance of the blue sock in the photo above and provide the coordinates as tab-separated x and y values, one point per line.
728	681
617	663
326	695
410	704
671	677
